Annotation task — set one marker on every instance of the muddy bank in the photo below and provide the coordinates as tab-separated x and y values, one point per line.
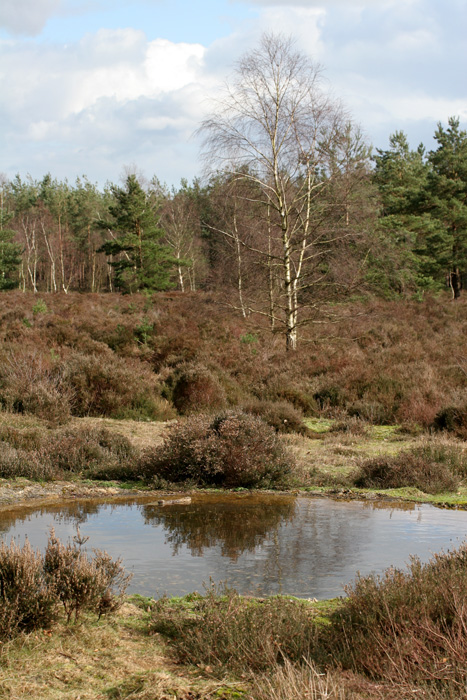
23	492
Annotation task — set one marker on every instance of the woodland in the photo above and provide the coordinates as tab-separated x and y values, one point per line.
294	213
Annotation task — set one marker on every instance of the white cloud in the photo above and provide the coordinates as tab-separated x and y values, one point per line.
26	17
114	97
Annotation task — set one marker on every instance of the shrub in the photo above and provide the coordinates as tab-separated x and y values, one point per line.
96	452
230	449
280	415
30	385
407	627
349	426
290	681
225	629
26	600
197	389
16	463
105	385
33	585
407	469
452	419
79	450
81	583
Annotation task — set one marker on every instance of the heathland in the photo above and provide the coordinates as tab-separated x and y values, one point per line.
168	391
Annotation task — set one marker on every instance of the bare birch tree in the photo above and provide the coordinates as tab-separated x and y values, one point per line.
276	128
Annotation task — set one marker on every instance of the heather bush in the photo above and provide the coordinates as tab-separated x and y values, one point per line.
452	456
280	415
30	384
32	585
105	385
16	462
407	627
89	450
196	389
452	419
225	629
230	449
415	468
81	583
26	600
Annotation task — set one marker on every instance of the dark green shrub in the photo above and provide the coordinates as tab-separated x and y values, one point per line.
196	389
26	600
230	449
407	469
329	397
300	399
407	627
280	415
224	629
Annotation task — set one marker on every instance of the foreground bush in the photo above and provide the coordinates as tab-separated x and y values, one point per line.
33	586
225	629
81	583
407	627
230	449
26	600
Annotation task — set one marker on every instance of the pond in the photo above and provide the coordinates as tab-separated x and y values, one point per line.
260	544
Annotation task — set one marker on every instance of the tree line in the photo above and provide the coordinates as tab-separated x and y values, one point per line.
295	210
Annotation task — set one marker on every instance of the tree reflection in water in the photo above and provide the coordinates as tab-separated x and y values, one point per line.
235	524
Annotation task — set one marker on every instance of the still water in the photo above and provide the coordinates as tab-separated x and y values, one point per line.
257	543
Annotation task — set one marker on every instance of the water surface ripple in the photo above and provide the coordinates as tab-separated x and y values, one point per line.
259	544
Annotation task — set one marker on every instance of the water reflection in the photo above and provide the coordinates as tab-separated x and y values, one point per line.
236	525
258	543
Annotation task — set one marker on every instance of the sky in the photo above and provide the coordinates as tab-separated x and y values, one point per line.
101	87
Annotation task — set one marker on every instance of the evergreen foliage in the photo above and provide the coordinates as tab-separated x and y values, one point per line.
140	259
446	245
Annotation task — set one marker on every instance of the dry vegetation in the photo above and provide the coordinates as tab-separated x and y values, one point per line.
91	387
91	384
395	637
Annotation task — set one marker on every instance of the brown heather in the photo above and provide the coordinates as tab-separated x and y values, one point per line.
111	355
34	586
232	449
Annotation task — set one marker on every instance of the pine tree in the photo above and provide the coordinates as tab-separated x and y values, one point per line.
10	252
446	202
138	255
401	176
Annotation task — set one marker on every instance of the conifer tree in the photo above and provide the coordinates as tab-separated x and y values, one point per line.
401	176
446	202
10	252
139	257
